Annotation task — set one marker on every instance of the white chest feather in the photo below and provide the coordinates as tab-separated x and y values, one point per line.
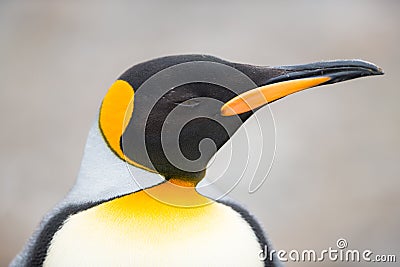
136	230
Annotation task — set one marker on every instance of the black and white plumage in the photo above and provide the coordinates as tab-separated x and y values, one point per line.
132	205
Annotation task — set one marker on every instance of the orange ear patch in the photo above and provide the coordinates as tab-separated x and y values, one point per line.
115	114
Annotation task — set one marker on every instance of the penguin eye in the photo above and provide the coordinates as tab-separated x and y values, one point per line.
182	97
188	102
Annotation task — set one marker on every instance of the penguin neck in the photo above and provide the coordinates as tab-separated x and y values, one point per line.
100	163
104	176
179	193
184	182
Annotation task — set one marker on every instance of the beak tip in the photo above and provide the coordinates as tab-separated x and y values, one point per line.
375	70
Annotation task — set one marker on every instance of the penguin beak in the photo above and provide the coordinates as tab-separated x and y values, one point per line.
297	78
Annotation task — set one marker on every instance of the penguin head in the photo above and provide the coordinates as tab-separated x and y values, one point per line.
171	115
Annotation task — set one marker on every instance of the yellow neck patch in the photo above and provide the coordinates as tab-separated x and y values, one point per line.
161	200
161	204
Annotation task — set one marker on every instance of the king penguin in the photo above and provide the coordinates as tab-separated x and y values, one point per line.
136	200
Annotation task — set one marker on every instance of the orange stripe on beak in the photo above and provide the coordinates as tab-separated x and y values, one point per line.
260	96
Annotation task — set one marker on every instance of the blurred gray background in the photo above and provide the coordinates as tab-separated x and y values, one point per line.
336	171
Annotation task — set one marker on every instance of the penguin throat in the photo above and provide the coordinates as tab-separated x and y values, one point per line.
177	193
184	182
